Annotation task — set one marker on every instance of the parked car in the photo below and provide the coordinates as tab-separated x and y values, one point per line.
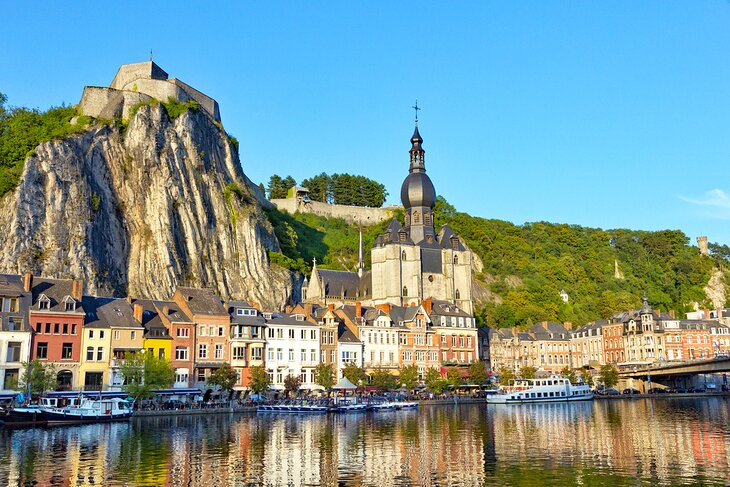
657	390
696	389
610	392
677	390
630	390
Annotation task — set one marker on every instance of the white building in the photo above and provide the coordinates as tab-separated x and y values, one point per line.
15	333
350	350
292	348
379	335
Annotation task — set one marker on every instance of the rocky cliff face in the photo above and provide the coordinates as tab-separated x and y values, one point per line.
141	210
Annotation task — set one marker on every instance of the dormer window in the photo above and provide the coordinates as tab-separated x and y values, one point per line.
44	302
299	317
416	217
454	243
402	236
69	304
429	238
239	312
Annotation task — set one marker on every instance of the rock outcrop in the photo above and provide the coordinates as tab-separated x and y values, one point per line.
142	209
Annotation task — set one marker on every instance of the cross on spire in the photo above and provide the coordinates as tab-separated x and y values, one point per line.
415	107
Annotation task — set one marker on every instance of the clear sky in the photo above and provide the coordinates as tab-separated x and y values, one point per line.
605	114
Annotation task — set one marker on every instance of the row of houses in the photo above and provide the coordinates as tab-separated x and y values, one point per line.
86	338
642	336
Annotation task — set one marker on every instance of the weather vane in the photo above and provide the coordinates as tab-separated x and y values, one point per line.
415	107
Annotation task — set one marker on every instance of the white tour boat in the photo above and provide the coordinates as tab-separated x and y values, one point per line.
86	411
551	389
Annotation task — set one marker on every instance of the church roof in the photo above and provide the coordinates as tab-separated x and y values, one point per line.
445	235
345	283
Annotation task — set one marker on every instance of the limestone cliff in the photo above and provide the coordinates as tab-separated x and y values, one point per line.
140	210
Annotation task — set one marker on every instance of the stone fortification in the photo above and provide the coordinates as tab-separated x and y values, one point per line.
140	82
351	214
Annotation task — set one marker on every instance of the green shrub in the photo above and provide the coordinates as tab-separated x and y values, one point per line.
175	108
95	202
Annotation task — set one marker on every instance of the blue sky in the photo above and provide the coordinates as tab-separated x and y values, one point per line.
604	114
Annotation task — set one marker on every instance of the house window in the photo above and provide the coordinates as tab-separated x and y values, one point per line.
291	355
313	355
99	354
91	333
219	351
257	353
183	333
70	305
202	350
211	330
405	291
67	351
134	335
44	303
201	331
13	352
42	351
201	375
116	334
89	354
73	329
65	328
279	354
56	328
291	334
239	353
239	312
220	331
458	294
181	378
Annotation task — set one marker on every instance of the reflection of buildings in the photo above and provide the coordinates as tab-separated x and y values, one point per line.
670	440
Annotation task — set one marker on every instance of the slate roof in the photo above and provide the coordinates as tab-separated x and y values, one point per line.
174	313
153	325
202	301
337	283
104	312
56	290
344	335
444	308
11	285
286	319
444	238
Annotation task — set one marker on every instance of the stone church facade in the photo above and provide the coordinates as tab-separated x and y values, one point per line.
410	262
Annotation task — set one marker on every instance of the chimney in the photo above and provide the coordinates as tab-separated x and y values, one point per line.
385	307
166	310
358	309
427	305
77	289
138	312
515	330
331	307
308	309
568	325
672	314
288	308
544	325
27	282
706	312
129	300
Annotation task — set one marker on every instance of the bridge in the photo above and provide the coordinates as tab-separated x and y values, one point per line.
675	375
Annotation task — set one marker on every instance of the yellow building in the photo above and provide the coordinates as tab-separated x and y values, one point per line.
157	340
95	345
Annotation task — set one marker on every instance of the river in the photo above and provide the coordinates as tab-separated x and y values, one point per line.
666	441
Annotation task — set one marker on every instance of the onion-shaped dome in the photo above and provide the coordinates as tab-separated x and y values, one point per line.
417	190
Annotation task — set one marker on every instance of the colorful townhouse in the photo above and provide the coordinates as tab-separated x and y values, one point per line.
57	317
379	334
156	341
329	324
182	333
456	333
247	341
292	348
127	335
212	327
96	341
416	338
15	332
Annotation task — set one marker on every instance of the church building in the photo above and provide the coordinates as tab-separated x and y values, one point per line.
410	262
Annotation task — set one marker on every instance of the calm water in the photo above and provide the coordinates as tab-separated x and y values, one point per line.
636	442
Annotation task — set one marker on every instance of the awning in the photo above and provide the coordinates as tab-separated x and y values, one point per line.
312	387
173	392
345	383
4	395
89	394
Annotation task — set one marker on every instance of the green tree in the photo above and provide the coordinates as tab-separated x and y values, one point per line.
505	375
143	373
432	378
528	372
324	375
259	380
408	377
609	375
588	379
292	384
354	374
455	378
38	377
279	187
383	379
224	377
478	373
569	374
320	187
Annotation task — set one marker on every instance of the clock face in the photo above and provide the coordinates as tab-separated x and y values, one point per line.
430	278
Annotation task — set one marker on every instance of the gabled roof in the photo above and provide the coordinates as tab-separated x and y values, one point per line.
444	308
202	301
344	335
174	313
11	285
445	236
55	290
345	283
104	312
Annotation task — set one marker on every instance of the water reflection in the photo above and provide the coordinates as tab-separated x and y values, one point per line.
637	442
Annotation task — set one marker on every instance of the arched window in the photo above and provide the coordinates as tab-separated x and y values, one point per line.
416	217
458	294
403	255
405	291
456	259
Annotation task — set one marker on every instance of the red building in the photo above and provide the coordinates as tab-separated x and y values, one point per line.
57	318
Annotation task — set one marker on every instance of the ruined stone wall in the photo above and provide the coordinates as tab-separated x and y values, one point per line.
351	214
101	102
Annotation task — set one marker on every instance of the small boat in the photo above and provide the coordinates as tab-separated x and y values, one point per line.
352	407
551	389
19	416
407	405
88	411
300	406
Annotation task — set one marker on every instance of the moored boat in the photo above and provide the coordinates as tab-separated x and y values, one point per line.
551	389
23	416
88	411
300	406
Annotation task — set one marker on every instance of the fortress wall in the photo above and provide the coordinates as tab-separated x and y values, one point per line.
352	214
130	72
210	105
99	102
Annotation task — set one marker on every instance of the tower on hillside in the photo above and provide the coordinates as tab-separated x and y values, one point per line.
702	244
